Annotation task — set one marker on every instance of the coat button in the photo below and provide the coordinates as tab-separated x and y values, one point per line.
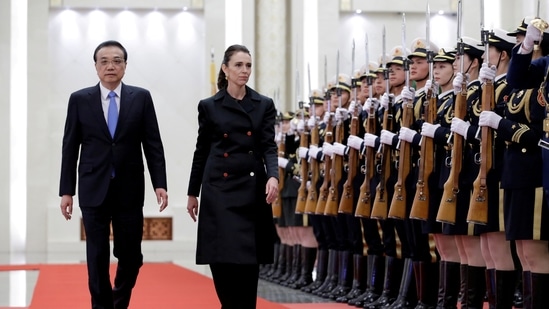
225	175
250	152
249	133
225	154
252	173
225	135
523	150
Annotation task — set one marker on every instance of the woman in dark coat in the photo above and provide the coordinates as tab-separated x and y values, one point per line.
235	164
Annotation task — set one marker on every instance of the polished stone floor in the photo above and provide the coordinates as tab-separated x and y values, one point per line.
280	294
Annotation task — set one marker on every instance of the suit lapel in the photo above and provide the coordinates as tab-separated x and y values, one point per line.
126	97
97	110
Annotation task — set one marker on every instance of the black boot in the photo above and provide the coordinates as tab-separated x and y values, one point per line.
393	275
288	269
359	276
476	287
518	299
308	258
448	285
407	294
540	295
505	288
426	282
374	282
527	290
332	274
463	285
280	268
268	269
345	276
321	268
296	267
491	287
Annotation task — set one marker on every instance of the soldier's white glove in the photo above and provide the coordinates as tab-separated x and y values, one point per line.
433	86
457	83
341	114
327	117
355	107
328	149
487	73
308	185
293	127
302	152
339	149
313	151
459	126
408	94
282	162
370	140
386	137
311	123
300	126
532	35
278	137
489	119
355	142
406	134
429	129
371	103
385	100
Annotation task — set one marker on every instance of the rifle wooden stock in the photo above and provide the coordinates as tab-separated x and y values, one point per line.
332	204
420	205
304	173
398	203
324	188
478	207
277	204
312	196
347	196
364	204
380	206
447	209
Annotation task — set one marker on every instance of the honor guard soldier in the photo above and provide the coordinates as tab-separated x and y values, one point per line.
288	139
439	131
531	236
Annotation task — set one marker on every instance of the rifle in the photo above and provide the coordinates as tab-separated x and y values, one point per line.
310	205
277	204
347	197
323	191
302	190
303	142
312	200
398	204
380	206
364	204
447	209
478	207
420	205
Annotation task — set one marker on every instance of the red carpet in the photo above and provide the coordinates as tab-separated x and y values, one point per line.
162	286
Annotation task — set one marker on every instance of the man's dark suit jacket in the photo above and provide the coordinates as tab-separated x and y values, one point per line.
86	131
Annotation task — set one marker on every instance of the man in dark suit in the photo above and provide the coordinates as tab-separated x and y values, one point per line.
111	125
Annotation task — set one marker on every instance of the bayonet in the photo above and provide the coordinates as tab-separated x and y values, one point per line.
368	77
311	99
338	90
404	51
353	79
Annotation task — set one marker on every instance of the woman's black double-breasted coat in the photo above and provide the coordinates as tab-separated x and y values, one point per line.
235	155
